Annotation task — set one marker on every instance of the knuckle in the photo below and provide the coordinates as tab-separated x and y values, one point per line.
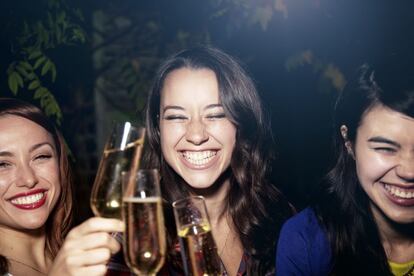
103	238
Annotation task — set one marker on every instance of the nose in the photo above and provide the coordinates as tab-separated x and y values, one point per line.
27	177
196	132
405	169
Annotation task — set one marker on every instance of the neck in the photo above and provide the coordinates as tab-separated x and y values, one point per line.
216	199
27	247
397	239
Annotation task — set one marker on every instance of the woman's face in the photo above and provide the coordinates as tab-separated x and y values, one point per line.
197	140
384	155
29	173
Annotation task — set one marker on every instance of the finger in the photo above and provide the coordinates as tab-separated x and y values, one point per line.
94	270
98	256
97	224
91	241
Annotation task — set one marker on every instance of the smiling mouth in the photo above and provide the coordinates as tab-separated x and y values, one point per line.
403	193
199	158
30	199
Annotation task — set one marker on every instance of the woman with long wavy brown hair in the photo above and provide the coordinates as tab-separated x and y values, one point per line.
36	202
209	136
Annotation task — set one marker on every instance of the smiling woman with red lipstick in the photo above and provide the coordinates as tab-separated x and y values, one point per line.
36	202
363	223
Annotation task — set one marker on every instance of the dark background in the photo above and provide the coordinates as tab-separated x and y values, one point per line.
300	54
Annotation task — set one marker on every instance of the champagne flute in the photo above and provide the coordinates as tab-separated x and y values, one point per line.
198	249
144	240
122	153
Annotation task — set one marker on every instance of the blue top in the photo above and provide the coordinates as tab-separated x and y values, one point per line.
303	247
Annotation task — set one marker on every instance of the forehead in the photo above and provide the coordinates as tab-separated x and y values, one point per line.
383	120
187	86
16	129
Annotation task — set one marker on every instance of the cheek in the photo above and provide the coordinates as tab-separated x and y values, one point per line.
170	135
225	133
168	139
371	167
51	173
5	180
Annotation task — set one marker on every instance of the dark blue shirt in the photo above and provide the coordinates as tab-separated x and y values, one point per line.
303	247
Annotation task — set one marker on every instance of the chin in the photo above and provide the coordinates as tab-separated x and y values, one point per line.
35	223
403	219
203	182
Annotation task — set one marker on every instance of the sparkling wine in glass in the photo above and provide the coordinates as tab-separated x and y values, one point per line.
122	153
198	248
144	240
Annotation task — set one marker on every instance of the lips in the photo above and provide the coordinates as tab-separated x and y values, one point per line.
199	159
403	196
30	200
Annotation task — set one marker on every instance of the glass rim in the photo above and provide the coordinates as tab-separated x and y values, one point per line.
125	128
179	201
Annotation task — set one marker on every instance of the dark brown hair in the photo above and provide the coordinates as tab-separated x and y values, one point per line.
257	208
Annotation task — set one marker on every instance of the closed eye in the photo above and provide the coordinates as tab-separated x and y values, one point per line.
43	156
4	165
216	116
174	117
385	149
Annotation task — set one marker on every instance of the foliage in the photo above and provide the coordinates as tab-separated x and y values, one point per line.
131	38
240	12
326	71
34	70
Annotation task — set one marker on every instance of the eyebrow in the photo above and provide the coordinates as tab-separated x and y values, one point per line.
33	148
212	106
177	107
5	154
379	139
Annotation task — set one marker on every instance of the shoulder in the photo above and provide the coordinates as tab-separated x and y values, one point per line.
302	230
303	222
303	247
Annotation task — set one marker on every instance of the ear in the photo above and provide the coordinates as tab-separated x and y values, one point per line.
347	143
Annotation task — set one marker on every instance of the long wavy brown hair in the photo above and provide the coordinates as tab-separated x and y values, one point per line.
59	220
256	207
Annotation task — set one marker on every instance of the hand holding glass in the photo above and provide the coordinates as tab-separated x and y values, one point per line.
198	248
122	153
144	240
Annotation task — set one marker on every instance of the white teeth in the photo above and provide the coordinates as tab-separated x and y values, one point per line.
28	199
199	157
400	192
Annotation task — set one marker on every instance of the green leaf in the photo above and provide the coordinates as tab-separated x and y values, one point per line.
31	76
26	65
35	54
40	93
46	67
12	81
61	17
39	62
22	70
19	79
78	35
53	70
34	84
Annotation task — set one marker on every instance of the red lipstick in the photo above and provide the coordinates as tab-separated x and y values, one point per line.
30	206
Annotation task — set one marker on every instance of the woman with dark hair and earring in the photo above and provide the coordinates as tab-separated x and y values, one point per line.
209	136
363	222
36	202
